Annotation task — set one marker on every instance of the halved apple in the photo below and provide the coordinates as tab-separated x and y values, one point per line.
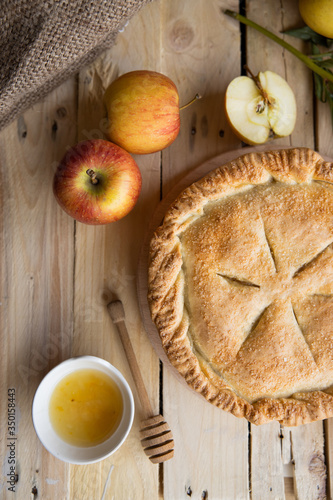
260	108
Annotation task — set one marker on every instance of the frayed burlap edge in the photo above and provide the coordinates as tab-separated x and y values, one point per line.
24	101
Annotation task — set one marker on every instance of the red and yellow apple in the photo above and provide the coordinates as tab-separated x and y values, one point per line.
97	182
143	111
260	108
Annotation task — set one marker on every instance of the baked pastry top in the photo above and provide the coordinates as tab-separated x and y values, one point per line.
240	286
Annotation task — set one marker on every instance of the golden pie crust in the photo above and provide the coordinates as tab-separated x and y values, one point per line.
240	286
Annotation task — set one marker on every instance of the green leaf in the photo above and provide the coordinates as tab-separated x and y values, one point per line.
318	57
323	59
327	56
315	49
307	33
328	63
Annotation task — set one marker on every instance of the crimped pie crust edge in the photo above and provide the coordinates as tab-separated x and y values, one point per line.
166	281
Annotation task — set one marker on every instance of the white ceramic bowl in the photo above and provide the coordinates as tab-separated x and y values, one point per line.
41	419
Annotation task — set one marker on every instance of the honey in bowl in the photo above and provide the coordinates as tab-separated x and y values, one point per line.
86	407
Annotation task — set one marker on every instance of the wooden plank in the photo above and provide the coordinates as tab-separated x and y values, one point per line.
200	54
308	443
267	481
304	455
309	461
329	455
106	261
37	250
308	453
324	129
263	54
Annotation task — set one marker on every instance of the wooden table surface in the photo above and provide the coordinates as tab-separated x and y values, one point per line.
57	275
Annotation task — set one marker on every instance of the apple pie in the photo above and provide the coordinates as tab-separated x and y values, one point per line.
240	286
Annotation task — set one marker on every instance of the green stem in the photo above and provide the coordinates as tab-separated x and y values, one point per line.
306	60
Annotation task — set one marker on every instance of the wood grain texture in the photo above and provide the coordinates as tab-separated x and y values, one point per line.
105	263
37	249
267	480
198	41
57	276
308	459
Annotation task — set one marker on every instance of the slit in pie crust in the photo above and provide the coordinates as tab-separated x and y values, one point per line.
240	286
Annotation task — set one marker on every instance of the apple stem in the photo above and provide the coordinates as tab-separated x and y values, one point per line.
305	59
267	100
197	96
92	176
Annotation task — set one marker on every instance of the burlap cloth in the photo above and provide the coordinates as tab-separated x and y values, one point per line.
44	42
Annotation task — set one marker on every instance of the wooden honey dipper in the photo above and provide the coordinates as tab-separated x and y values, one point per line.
157	439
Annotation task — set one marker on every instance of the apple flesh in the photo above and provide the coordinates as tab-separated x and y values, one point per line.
260	108
97	182
143	111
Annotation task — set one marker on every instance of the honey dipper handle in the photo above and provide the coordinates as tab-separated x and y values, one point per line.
117	314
